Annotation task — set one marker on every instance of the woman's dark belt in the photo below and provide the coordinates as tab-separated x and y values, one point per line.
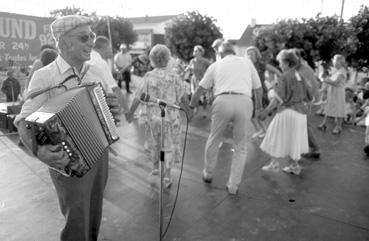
230	93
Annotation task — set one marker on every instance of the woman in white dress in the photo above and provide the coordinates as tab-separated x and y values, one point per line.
286	136
335	106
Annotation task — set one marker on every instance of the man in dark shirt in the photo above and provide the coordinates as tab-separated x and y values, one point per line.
11	87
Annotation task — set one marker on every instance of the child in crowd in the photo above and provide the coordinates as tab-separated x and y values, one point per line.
366	146
270	83
350	106
323	94
362	100
366	117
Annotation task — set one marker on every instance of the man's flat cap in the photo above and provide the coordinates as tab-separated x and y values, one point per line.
63	25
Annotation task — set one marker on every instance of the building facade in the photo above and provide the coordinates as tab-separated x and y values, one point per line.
150	31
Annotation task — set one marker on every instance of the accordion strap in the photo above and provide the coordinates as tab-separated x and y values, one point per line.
37	93
60	85
34	141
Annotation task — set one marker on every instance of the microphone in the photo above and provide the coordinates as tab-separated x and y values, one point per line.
147	98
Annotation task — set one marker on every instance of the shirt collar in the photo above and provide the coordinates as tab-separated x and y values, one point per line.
229	56
94	52
64	66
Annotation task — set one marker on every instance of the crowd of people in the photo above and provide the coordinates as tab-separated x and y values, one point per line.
245	92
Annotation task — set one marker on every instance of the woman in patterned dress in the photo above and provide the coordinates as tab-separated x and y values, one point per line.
165	84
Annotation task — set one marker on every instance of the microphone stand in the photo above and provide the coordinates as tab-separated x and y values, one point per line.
162	170
146	98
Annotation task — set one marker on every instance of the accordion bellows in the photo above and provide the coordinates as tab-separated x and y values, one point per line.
79	120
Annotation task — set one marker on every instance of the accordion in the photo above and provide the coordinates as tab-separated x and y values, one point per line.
79	120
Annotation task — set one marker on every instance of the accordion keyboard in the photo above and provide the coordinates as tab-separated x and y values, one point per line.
81	121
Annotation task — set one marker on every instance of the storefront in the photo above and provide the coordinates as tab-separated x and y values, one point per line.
21	38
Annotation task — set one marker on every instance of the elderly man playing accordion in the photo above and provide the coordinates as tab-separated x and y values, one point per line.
80	198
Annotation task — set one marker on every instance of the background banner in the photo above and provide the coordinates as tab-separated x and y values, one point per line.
21	38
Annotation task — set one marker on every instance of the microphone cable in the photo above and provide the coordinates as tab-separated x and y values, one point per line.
179	179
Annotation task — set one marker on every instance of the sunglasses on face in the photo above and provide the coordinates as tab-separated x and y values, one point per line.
84	38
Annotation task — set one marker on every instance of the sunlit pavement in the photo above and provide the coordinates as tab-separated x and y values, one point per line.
328	201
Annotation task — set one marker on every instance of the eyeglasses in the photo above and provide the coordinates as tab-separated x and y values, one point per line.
84	38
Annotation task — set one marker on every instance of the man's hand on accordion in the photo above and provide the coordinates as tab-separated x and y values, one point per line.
129	116
113	103
53	155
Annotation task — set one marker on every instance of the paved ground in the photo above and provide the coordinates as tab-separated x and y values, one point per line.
329	201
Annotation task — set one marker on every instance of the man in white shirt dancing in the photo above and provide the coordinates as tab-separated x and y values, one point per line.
233	79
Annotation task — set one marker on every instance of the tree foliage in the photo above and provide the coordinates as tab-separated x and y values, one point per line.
121	31
320	38
67	11
272	39
329	36
191	29
360	26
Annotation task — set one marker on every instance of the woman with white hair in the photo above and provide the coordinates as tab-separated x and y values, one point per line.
335	106
286	136
165	84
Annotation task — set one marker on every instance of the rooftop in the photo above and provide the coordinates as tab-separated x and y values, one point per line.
151	19
249	34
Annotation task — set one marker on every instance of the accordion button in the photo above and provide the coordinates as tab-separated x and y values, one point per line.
70	154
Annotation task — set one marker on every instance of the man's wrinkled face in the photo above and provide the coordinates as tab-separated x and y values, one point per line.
81	42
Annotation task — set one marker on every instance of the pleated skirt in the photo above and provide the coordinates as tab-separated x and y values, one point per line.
286	135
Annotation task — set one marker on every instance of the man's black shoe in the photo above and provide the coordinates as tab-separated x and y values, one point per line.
366	149
311	155
207	179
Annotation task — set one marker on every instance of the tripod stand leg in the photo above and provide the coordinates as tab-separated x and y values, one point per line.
162	165
161	219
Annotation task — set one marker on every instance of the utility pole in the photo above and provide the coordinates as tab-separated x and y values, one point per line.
110	60
109	32
342	6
